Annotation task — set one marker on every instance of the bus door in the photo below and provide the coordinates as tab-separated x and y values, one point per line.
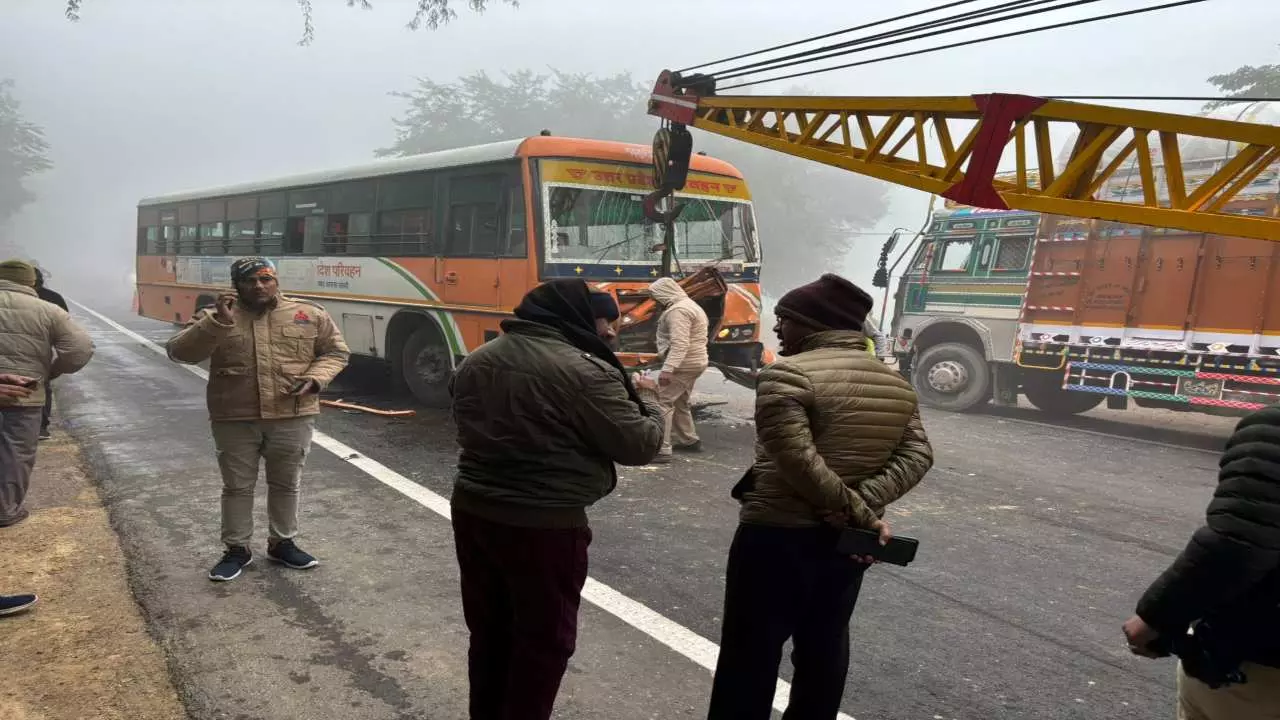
479	266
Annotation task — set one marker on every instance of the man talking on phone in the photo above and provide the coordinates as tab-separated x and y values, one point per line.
838	438
269	358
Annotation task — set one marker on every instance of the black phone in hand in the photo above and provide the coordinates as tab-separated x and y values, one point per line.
856	541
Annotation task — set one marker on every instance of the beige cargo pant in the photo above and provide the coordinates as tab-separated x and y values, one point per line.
241	448
1258	699
677	416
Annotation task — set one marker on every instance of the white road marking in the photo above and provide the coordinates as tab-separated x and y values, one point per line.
684	641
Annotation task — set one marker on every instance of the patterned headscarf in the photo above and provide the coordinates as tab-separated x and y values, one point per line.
250	266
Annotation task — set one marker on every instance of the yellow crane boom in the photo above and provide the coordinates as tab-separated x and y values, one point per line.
953	147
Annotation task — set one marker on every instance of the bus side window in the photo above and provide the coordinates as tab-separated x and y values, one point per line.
517	245
474	221
954	255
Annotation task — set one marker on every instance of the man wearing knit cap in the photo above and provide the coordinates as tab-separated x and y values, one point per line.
41	342
838	438
269	358
682	345
605	310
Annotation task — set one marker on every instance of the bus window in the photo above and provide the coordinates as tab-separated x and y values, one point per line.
517	245
954	254
241	237
168	240
474	223
405	232
188	240
359	233
270	239
212	240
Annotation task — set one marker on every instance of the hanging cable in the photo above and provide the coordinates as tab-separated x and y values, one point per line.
864	26
964	43
893	37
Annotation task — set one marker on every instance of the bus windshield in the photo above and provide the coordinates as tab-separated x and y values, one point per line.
590	225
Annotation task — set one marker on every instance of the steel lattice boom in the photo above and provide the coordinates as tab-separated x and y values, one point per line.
1123	165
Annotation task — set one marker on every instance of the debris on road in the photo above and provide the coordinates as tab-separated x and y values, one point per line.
343	405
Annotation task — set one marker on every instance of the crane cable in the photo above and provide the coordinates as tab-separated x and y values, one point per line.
864	26
893	37
974	41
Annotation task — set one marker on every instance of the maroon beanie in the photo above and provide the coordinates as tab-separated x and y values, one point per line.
828	303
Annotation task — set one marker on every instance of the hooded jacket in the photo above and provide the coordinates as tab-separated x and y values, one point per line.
38	340
836	431
682	328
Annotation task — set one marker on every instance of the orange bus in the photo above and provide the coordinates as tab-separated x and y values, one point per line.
420	258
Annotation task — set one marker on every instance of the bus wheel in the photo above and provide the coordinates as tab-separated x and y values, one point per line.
427	366
952	376
1045	391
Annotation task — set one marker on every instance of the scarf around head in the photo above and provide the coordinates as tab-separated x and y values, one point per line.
566	306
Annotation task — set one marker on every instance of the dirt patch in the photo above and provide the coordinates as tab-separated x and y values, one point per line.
83	652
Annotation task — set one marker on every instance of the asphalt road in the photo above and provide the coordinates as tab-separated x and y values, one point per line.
1036	540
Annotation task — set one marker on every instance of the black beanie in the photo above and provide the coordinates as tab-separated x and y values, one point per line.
603	306
828	303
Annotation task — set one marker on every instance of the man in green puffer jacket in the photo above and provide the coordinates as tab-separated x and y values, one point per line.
838	438
543	413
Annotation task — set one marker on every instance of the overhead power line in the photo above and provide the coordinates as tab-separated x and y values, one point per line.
975	41
816	38
894	37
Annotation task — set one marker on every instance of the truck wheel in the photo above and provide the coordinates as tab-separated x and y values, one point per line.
1045	391
952	376
427	367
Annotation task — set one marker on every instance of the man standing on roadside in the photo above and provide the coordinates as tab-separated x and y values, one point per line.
838	438
15	387
269	358
38	342
48	296
682	345
1225	588
543	412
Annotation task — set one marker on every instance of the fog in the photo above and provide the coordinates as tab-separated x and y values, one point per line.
143	97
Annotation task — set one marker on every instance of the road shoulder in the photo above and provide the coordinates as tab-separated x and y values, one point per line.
84	651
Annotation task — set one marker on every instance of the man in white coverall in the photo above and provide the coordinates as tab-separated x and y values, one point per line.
682	345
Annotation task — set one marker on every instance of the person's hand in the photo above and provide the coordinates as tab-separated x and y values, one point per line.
886	534
645	383
304	386
226	313
15	387
665	377
1141	637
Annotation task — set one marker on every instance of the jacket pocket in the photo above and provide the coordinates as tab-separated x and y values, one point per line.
299	342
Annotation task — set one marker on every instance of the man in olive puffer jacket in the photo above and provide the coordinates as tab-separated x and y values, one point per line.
838	438
543	412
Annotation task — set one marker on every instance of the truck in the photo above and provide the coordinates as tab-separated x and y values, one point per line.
1137	264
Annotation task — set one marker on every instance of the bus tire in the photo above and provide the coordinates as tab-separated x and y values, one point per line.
952	376
1045	391
426	365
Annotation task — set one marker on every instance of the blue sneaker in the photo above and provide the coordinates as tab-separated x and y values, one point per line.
235	559
288	554
14	604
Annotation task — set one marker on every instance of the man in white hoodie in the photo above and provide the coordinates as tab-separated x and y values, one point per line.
682	344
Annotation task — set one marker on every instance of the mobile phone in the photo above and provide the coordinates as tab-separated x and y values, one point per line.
298	385
856	541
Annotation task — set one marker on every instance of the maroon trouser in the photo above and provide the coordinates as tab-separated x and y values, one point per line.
521	588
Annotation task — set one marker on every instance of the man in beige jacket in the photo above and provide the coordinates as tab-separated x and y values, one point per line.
38	342
269	358
682	345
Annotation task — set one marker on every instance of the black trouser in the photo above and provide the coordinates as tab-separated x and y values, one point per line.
784	583
521	588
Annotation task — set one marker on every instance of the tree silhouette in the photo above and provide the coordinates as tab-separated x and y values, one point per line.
1247	81
427	13
23	152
